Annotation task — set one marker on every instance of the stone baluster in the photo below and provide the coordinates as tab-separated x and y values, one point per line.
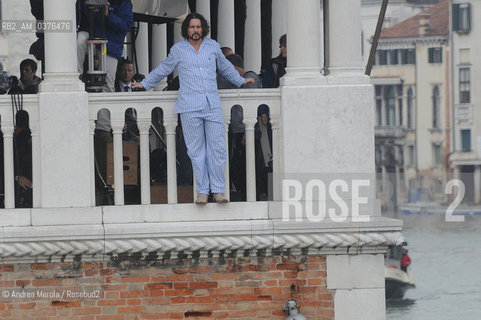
144	129
170	126
117	126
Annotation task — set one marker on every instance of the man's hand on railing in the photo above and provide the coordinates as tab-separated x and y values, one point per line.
249	80
137	85
24	182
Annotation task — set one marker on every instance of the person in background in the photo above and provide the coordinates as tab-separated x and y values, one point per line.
238	63
263	147
126	76
28	82
197	59
405	260
226	51
118	21
277	67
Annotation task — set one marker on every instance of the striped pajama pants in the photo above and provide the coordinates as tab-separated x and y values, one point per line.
204	134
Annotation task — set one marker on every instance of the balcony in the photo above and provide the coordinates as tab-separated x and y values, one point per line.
390	132
463	112
46	233
117	104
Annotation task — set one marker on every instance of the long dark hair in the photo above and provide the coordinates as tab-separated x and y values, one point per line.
203	22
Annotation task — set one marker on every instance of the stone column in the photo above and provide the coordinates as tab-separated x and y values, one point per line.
61	48
159	49
327	129
252	39
203	7
142	48
279	23
477	184
303	42
66	169
177	38
345	37
225	24
365	273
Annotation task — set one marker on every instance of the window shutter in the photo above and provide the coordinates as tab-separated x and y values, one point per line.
468	24
455	17
431	55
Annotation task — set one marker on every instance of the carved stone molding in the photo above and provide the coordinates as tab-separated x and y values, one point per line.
146	238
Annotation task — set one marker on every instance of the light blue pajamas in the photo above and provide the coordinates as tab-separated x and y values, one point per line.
204	135
198	104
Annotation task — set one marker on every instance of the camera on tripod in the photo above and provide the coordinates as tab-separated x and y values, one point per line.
97	47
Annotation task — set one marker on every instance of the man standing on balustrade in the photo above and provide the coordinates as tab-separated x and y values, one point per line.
197	59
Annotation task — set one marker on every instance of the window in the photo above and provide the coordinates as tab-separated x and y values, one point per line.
404	56
466	140
437	159
411	56
393	57
410	156
435	55
436	108
410	102
464	85
390	102
382	56
462	17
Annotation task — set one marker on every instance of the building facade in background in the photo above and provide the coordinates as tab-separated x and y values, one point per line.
412	96
466	78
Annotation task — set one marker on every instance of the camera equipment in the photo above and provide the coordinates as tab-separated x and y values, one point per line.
96	3
96	75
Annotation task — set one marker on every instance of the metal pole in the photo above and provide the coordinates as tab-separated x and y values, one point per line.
380	21
325	13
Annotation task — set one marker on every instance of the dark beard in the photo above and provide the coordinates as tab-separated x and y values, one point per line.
195	39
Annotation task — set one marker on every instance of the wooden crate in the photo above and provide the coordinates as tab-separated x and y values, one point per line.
158	194
130	163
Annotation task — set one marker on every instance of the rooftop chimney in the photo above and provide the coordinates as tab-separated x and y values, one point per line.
424	23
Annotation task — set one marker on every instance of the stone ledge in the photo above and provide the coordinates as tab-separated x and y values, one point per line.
99	239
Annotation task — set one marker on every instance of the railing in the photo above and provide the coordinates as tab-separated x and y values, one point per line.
389	132
144	103
463	112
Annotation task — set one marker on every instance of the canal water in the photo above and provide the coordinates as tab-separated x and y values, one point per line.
446	263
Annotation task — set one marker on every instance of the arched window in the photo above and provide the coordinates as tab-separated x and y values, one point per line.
410	102
436	108
390	103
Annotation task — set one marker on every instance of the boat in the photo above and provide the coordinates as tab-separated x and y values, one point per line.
397	281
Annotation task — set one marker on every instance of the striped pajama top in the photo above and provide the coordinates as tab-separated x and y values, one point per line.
197	74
